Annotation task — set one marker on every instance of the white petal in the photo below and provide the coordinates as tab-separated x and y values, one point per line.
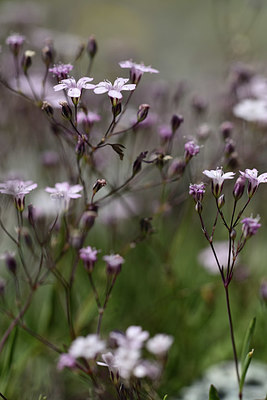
131	86
60	86
74	92
100	90
81	82
115	94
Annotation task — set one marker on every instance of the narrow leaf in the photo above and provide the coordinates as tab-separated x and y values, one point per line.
213	394
247	343
245	369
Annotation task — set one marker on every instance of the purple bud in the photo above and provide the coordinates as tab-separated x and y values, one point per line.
226	129
66	110
197	191
177	167
229	146
2	287
88	217
191	149
239	187
11	262
176	121
221	201
92	46
48	109
48	54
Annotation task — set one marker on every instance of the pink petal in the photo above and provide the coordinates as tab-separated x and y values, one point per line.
100	90
60	86
81	82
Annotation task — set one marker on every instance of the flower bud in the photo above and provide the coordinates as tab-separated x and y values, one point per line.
66	110
80	147
48	54
199	105
2	287
176	121
27	60
221	201
116	107
98	185
177	167
92	46
11	262
239	187
233	234
229	146
142	112
88	217
137	165
48	109
198	207
76	239
226	129
31	214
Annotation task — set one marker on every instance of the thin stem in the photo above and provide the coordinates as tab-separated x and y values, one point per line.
94	290
232	331
102	310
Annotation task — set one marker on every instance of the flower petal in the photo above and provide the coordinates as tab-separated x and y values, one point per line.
100	89
115	94
131	86
74	92
60	86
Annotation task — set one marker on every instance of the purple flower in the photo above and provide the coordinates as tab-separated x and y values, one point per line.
253	179
87	118
137	70
65	360
15	42
114	90
64	192
61	71
191	149
18	189
218	178
250	226
165	132
197	191
114	263
89	257
74	89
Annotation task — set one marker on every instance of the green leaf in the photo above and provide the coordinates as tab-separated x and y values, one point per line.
247	343
165	397
213	394
245	369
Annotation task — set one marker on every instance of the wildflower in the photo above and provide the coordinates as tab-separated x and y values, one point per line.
64	191
133	338
87	347
197	191
89	257
114	263
91	47
137	70
218	178
10	260
159	344
165	132
252	110
191	149
15	42
250	226
146	368
61	71
253	179
66	360
114	91
239	187
126	359
87	118
74	89
18	189
142	112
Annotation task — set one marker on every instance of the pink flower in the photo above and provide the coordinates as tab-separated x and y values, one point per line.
253	179
15	42
89	257
65	360
74	89
250	226
197	191
18	189
191	149
137	70
114	263
114	90
64	191
61	71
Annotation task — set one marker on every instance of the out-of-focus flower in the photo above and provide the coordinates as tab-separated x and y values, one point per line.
253	179
64	191
114	263
10	260
15	42
218	177
252	110
87	118
114	90
146	368
207	260
61	71
74	89
133	338
126	360
66	360
89	257
165	132
250	226
159	344
263	290
18	189
87	347
197	191
137	70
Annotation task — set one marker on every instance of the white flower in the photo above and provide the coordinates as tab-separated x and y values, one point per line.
114	90
18	189
253	179
207	260
133	338
87	347
218	177
252	110
137	70
74	89
64	192
159	344
126	360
